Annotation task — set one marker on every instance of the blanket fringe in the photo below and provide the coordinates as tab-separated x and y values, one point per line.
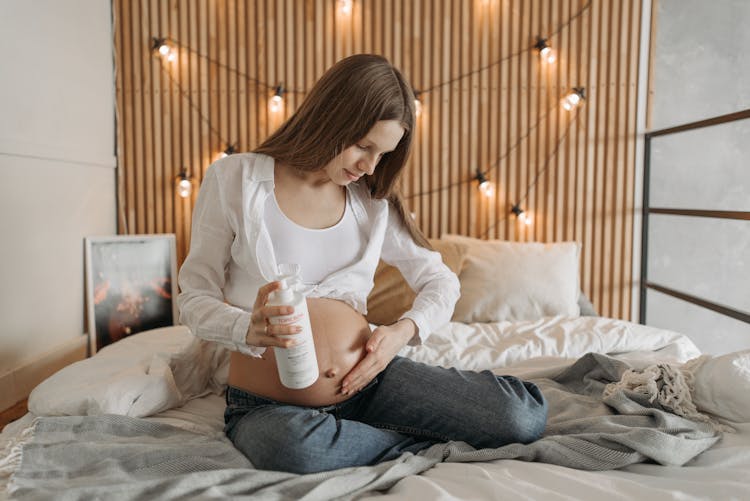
671	387
12	455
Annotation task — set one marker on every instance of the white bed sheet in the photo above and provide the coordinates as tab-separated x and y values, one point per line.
722	472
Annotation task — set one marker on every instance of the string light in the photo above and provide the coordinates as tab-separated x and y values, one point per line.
546	52
277	101
522	216
161	46
484	184
574	98
345	6
184	184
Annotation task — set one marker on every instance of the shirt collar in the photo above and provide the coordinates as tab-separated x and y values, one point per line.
263	169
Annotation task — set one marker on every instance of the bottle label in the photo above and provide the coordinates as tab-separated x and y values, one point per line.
286	319
298	365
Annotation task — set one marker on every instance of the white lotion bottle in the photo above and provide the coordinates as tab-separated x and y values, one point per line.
298	364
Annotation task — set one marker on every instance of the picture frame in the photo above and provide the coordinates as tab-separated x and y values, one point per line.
131	286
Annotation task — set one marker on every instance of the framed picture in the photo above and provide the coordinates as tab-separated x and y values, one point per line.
130	286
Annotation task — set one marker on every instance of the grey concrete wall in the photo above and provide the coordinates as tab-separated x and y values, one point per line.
701	69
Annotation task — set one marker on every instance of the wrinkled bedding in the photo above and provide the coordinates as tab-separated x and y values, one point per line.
176	380
150	372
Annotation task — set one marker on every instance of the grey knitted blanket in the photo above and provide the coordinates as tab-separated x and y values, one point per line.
119	457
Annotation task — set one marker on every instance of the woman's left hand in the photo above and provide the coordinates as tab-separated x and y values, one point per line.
384	344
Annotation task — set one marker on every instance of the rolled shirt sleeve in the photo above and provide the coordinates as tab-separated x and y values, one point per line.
203	275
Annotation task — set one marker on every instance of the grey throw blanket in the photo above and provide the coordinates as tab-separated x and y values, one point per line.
118	457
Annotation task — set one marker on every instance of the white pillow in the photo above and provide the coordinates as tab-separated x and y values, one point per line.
512	281
722	386
138	376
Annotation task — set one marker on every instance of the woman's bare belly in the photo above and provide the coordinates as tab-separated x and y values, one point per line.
340	334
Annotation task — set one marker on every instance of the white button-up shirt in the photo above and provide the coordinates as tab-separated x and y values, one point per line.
231	256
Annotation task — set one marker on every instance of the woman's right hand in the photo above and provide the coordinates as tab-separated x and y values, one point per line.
261	332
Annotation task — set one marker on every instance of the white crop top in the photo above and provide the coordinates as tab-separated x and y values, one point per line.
319	252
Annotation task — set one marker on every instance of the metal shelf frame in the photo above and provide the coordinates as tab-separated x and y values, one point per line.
648	210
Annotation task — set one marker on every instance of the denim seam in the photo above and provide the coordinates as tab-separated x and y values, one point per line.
412	431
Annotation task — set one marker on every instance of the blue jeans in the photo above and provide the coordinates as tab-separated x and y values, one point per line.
406	408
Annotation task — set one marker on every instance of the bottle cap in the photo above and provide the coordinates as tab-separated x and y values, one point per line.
289	276
291	273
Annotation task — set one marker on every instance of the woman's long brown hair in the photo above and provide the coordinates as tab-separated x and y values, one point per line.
340	110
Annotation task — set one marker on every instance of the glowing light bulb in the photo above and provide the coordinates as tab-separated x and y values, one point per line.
184	184
487	188
345	6
161	46
277	101
417	102
275	104
546	52
522	216
548	55
574	99
184	188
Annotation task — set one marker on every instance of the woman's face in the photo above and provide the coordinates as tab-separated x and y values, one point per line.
363	156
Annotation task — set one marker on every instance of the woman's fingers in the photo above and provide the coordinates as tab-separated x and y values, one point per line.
265	334
260	316
282	329
262	297
277	341
362	374
276	311
261	331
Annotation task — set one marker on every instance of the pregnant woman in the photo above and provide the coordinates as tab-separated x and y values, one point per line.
322	192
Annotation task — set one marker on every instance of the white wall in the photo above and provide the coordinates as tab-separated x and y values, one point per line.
57	171
701	69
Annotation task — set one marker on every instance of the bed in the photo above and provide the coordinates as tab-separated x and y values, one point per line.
636	411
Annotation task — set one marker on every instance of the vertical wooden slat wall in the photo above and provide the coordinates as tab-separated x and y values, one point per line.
489	104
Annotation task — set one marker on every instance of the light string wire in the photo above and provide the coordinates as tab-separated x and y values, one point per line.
259	82
539	172
508	57
225	66
186	95
492	166
495	165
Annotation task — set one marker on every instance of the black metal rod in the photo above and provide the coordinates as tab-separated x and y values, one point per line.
644	230
724	310
720	214
721	119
